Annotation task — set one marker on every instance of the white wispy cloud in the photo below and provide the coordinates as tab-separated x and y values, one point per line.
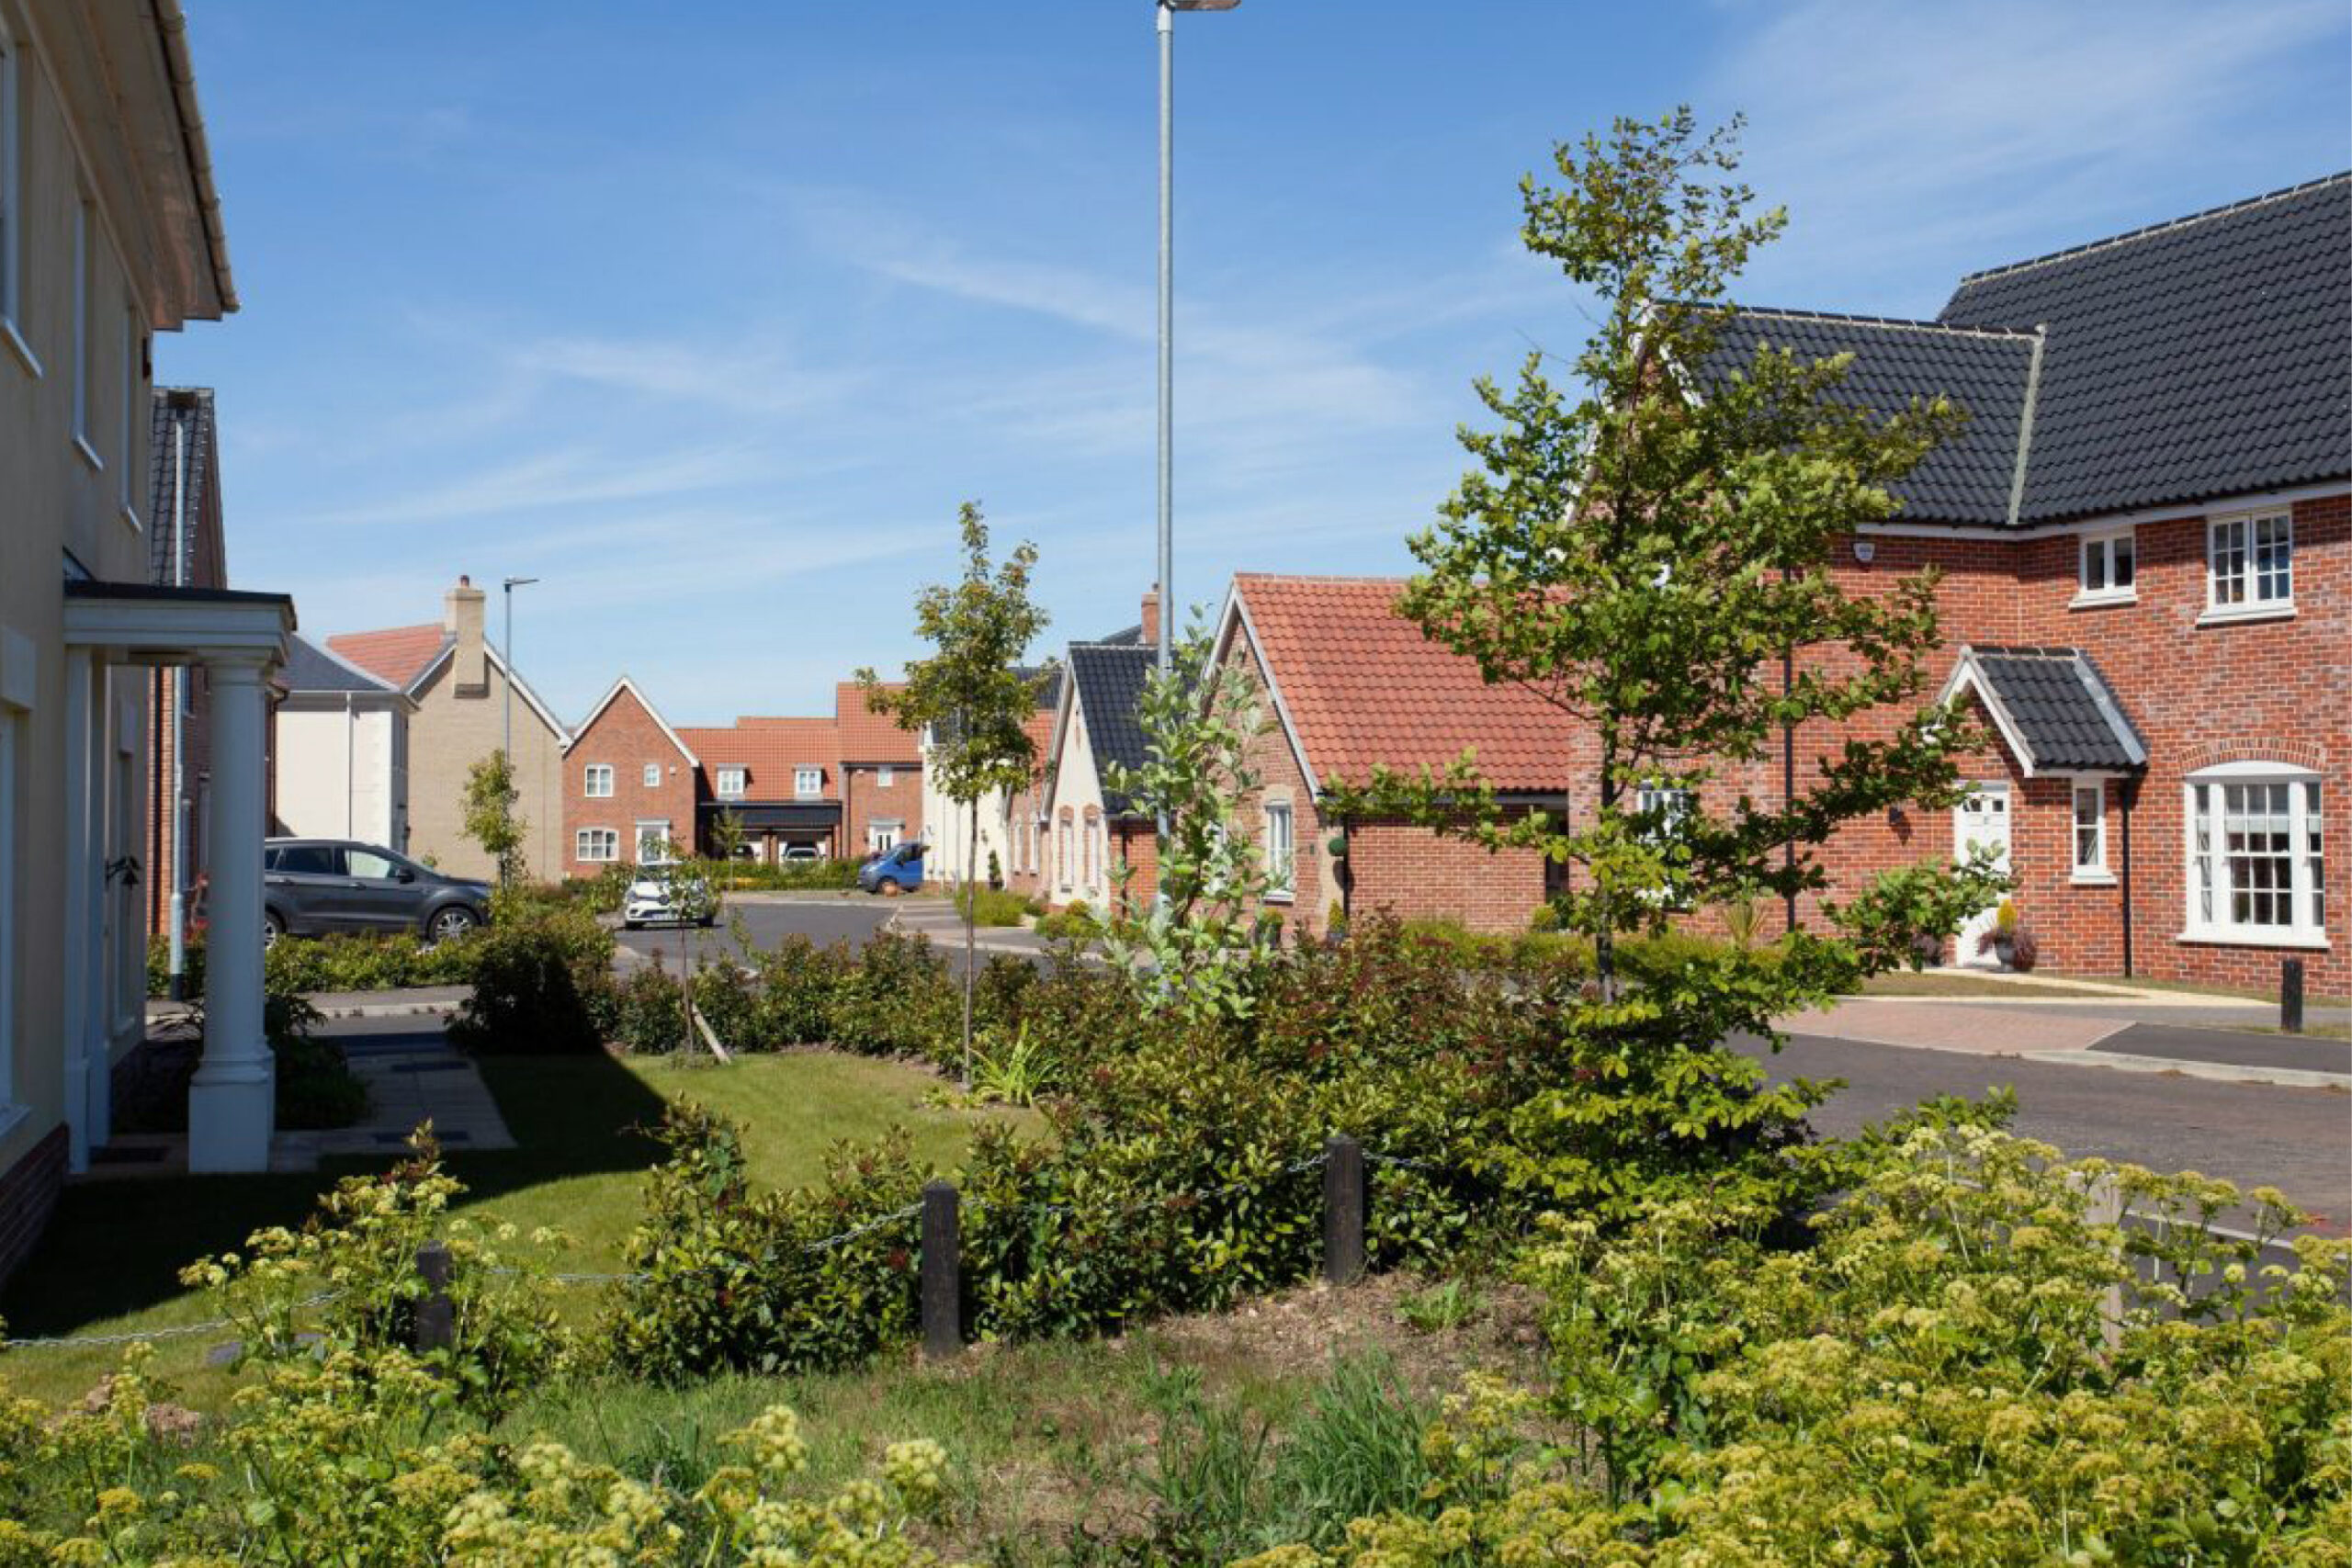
565	475
1899	133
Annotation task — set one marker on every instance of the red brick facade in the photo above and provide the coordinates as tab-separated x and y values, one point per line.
2273	690
624	735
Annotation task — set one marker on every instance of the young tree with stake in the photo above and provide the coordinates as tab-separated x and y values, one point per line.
490	820
972	697
1643	547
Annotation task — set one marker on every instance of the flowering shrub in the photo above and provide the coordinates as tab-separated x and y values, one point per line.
1967	1365
349	1281
333	1458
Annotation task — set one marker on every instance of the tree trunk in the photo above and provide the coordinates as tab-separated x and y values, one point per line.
1604	935
971	923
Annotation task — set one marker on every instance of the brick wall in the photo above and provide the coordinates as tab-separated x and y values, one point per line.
29	1193
2273	690
626	735
866	801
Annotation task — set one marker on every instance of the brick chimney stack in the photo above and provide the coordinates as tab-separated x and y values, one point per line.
1151	616
461	612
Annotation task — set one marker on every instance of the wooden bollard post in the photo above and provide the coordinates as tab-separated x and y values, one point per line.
2103	1205
437	1314
942	1274
2290	996
1343	1211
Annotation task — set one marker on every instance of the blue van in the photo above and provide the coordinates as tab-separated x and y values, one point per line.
897	870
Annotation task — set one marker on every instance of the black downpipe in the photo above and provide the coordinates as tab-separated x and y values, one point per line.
2128	796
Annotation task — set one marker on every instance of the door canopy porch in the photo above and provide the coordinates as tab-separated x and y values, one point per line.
238	638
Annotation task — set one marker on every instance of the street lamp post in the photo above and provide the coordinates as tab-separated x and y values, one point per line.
506	733
1166	16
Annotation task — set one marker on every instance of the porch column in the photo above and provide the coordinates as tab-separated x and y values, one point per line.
231	1103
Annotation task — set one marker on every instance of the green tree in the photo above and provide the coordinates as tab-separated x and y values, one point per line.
971	697
727	836
491	820
1192	951
1646	548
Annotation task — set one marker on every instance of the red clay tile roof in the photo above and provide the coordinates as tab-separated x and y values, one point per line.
1366	688
866	736
396	654
768	749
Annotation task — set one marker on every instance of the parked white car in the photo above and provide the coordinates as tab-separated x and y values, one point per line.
649	900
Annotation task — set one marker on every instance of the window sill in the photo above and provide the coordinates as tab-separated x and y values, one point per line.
2093	879
2230	615
1285	896
2102	600
90	454
2310	941
23	350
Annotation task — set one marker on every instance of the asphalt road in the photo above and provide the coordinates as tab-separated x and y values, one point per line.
822	919
2298	1140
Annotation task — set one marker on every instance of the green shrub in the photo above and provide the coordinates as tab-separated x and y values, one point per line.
1072	922
994	906
796	989
1966	1365
788	877
896	998
649	1011
542	986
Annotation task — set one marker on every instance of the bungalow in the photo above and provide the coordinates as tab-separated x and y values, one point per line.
1347	685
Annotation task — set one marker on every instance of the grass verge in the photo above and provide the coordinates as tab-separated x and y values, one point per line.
109	1263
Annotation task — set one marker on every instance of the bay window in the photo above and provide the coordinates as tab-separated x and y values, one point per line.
2257	870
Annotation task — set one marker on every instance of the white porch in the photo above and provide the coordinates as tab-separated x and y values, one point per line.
239	639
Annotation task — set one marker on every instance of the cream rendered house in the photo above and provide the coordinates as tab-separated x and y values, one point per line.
109	230
341	761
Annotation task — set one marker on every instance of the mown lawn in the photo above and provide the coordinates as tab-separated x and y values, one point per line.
110	1262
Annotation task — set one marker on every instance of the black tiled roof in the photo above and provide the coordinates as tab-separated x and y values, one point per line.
2061	708
2207	356
309	668
1966	479
191	409
1110	678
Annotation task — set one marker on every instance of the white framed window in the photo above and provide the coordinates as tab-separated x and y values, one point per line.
1094	846
1671	805
883	835
1061	853
2256	859
134	367
2250	565
653	775
2090	831
83	221
885	776
652	842
2107	570
596	781
730	782
807	783
596	844
1281	856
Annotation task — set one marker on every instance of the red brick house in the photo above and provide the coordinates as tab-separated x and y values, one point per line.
841	785
630	784
1347	685
2146	537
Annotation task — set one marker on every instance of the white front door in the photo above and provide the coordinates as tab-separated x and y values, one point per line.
1981	821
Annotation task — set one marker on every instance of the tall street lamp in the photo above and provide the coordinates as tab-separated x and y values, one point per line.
506	737
1166	11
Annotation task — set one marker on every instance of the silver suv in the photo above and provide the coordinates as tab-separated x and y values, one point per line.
314	886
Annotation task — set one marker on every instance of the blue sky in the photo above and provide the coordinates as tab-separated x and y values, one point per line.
709	315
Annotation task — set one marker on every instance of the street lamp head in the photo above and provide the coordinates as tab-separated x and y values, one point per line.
518	582
1200	4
